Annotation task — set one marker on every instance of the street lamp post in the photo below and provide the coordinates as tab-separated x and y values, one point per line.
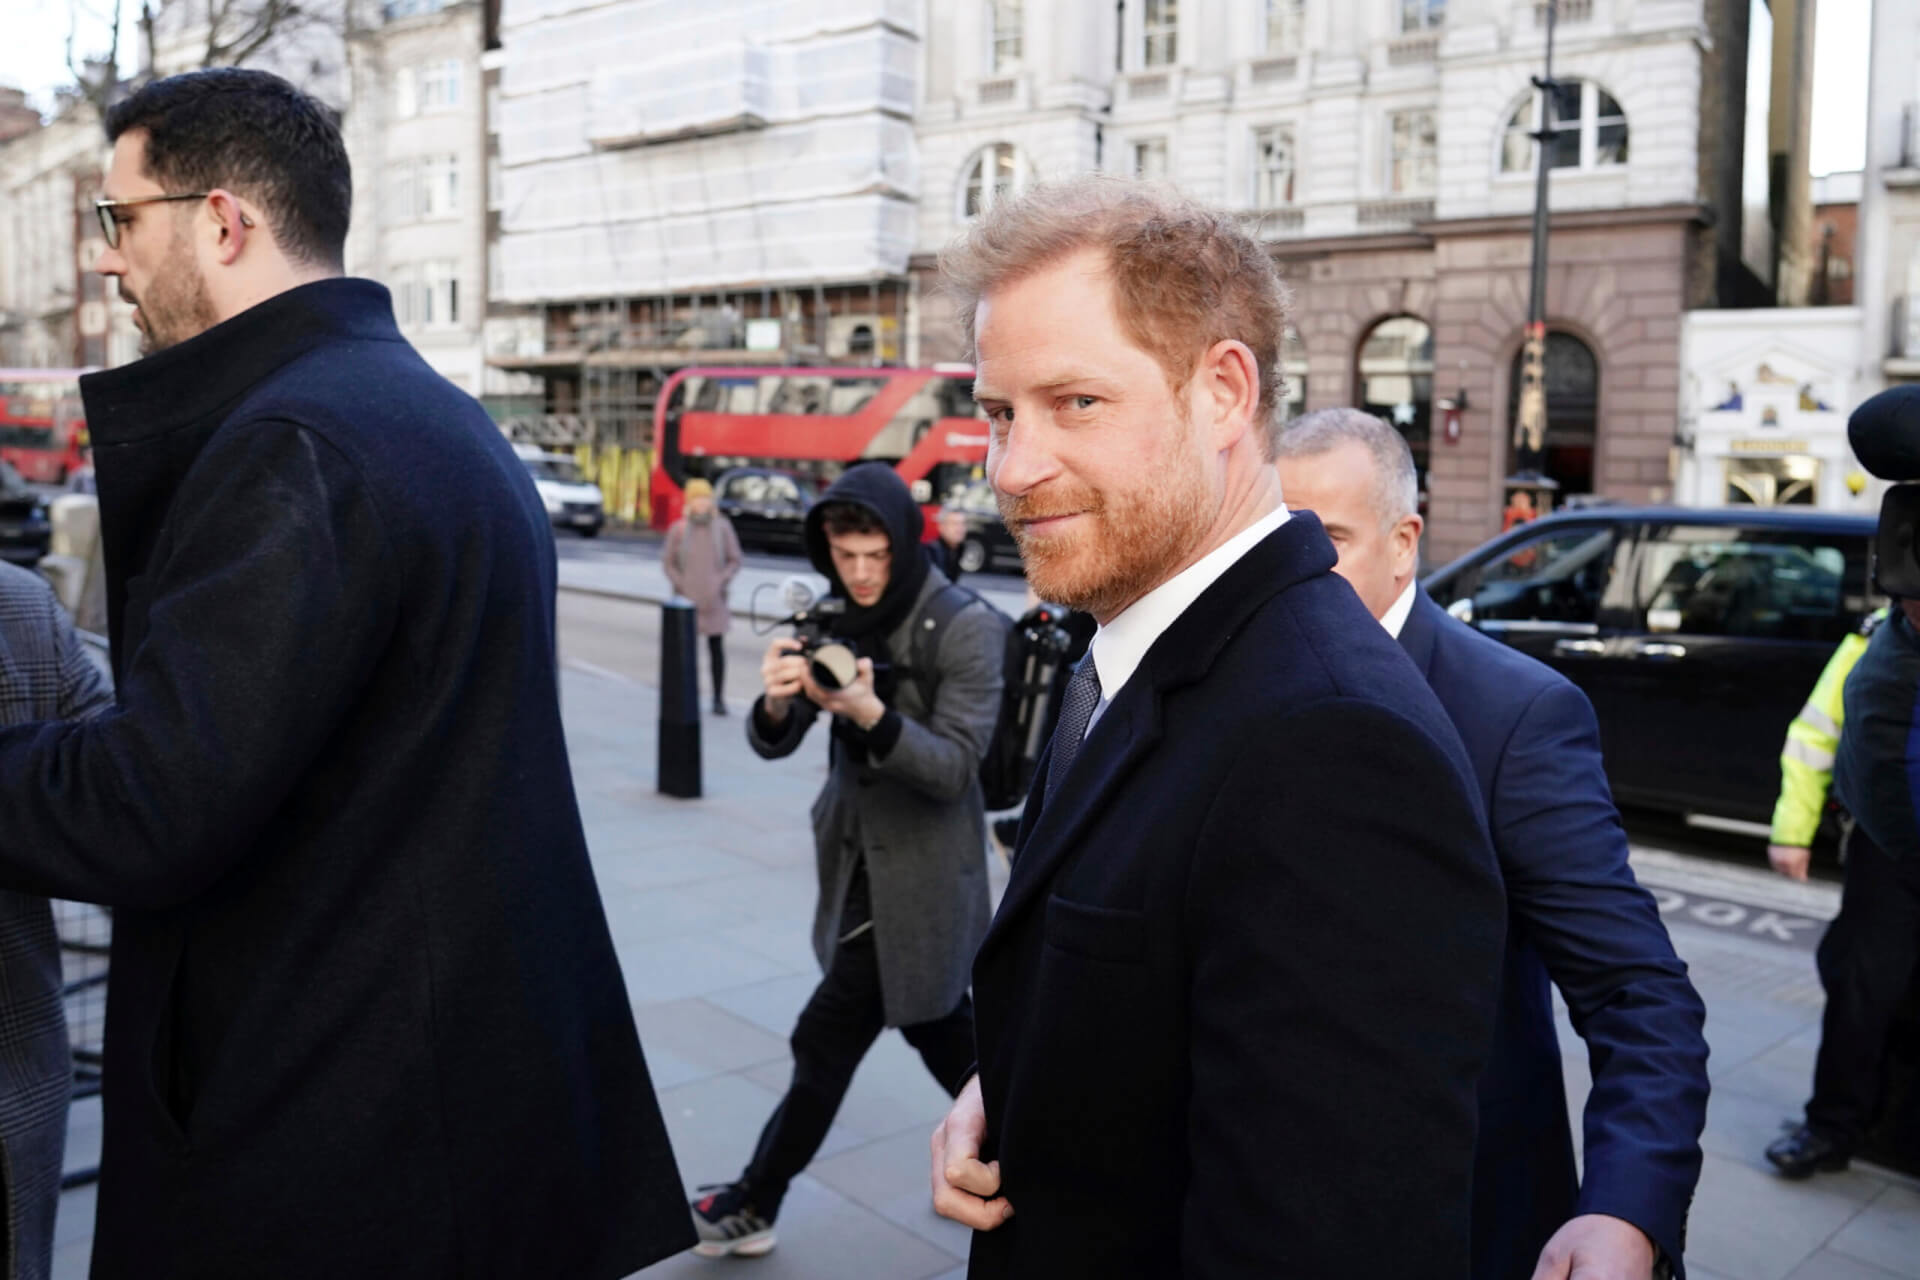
1530	423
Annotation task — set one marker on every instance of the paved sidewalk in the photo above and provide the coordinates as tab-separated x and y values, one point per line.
710	901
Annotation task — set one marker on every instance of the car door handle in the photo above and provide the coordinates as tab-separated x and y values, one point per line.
1579	648
1661	650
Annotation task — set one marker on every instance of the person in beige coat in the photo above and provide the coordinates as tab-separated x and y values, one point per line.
701	557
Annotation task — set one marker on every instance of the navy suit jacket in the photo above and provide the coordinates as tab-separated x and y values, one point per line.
1577	916
1235	1004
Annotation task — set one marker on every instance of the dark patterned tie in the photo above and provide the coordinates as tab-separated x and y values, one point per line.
1076	713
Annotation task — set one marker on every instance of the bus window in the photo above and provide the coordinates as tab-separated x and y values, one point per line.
851	395
909	425
956	398
740	395
799	395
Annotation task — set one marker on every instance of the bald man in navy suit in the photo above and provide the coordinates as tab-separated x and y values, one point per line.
1577	917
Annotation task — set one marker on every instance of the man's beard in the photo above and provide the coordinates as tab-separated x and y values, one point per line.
1125	543
175	306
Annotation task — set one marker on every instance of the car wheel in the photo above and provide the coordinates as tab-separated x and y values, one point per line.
973	556
590	531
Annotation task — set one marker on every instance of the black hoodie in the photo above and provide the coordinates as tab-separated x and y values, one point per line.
879	488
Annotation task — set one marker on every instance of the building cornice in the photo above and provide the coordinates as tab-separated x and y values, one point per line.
1570	220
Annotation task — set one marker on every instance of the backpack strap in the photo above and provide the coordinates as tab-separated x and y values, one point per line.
930	628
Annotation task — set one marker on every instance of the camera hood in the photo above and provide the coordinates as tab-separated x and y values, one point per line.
1896	567
1884	433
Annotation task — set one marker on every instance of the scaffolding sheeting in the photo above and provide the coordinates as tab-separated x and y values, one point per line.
653	148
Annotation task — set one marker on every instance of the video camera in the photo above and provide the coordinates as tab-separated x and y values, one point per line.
832	664
1885	434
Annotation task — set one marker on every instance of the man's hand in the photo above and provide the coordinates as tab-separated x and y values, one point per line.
784	673
1596	1247
1790	860
856	701
964	1189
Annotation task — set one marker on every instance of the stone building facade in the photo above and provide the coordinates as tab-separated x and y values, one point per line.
1888	253
1383	151
417	135
55	312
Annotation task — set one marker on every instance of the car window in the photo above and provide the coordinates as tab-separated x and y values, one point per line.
783	489
558	469
751	487
1743	582
1559	576
978	498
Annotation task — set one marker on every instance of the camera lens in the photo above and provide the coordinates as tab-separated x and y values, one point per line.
834	666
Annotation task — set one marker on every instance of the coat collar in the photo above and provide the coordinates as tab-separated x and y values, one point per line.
209	373
1422	631
1130	726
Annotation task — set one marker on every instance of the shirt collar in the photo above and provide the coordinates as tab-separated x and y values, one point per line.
1395	619
1120	646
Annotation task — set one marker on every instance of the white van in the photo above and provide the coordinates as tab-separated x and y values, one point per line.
573	501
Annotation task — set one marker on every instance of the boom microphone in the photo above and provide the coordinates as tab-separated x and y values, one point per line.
1885	434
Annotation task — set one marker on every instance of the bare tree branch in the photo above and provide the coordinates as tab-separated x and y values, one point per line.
96	78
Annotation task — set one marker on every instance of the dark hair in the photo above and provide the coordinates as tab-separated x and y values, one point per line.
257	135
842	518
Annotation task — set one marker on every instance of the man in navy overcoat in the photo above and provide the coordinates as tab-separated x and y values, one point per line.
1575	913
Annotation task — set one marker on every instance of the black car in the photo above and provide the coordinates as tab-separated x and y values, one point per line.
1697	634
989	545
24	531
768	508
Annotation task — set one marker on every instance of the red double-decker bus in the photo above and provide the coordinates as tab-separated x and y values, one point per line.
815	423
43	430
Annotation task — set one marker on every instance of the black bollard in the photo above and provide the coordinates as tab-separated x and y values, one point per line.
679	755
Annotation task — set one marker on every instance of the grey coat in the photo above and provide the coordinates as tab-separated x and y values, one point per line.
701	560
917	814
45	674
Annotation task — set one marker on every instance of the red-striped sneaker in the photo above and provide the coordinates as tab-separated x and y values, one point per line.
728	1223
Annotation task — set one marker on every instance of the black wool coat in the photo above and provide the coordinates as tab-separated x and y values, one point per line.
1236	1000
364	1017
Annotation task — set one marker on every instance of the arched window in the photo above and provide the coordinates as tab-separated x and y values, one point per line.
993	174
1573	412
1589	130
1396	382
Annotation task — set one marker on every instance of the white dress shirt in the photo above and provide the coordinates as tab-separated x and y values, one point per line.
1396	617
1119	647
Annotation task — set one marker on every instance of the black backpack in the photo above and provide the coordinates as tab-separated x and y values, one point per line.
1038	649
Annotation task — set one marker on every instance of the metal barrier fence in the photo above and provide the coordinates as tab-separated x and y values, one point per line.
86	933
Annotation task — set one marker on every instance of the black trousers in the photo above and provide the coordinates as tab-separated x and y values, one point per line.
717	659
1866	960
842	1019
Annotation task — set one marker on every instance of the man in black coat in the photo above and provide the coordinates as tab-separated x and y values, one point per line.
366	1015
1576	915
1232	1009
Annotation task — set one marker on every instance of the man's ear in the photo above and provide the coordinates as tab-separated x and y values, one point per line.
1406	538
1229	376
232	225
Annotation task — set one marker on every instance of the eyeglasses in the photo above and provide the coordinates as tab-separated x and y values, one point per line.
111	229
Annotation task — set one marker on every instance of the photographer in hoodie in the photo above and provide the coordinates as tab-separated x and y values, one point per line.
899	828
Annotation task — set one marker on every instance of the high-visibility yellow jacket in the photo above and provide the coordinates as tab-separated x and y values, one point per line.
1806	762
